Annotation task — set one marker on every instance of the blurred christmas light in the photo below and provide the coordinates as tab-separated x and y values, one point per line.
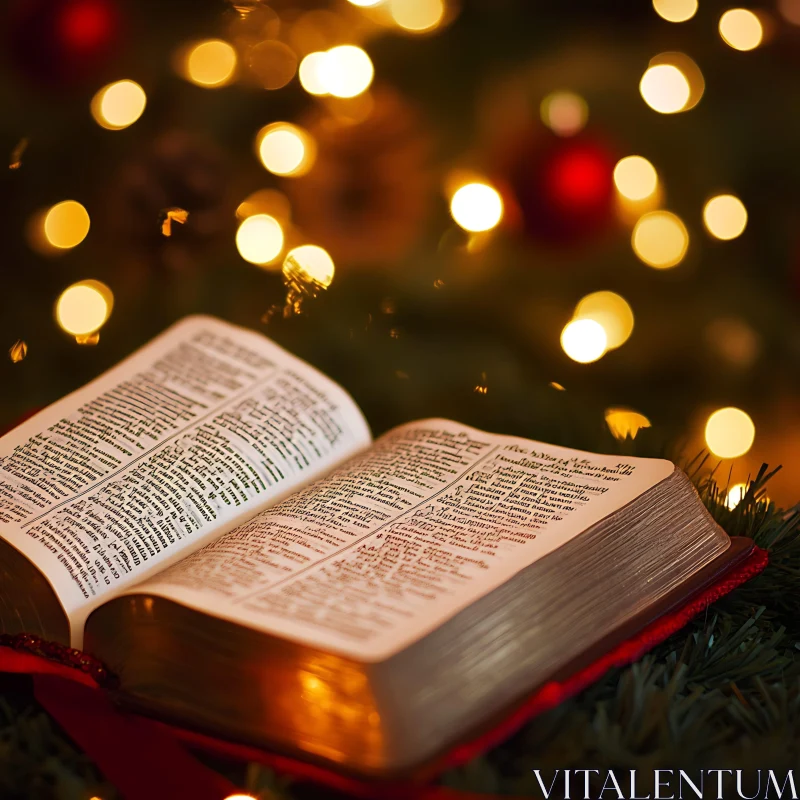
312	263
118	105
612	312
690	71
565	113
66	224
265	201
665	88
312	73
660	239
84	307
624	422
735	495
477	207
273	63
417	16
307	270
729	432
365	3
210	63
285	149
346	71
733	341
725	216
790	10
584	340
741	29
675	10
635	178
259	239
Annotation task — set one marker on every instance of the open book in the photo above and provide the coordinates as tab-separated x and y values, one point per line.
211	519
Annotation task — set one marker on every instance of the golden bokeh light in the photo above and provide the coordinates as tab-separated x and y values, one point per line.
565	113
309	263
210	63
265	201
259	239
635	178
84	307
729	432
118	105
725	216
240	797
741	29
735	495
312	73
477	207
624	422
285	149
273	63
584	340
365	3
790	10
665	88
417	16
612	312
690	71
346	71
660	239
733	341
675	10
66	224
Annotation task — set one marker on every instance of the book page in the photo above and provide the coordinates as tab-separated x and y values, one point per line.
402	537
187	438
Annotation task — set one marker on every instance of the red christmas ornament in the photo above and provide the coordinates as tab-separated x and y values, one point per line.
565	190
60	42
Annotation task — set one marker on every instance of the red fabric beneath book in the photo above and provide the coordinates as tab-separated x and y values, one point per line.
145	760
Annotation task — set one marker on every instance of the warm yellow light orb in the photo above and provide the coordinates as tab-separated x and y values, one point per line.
584	340
741	29
259	239
790	10
66	224
730	433
310	263
312	73
675	10
477	207
347	71
565	113
417	15
365	3
612	312
624	422
84	307
285	149
211	63
660	239
665	88
118	105
725	216
735	495
635	178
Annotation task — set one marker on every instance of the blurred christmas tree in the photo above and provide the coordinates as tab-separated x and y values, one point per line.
490	179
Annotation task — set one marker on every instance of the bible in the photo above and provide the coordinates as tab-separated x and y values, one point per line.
212	520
